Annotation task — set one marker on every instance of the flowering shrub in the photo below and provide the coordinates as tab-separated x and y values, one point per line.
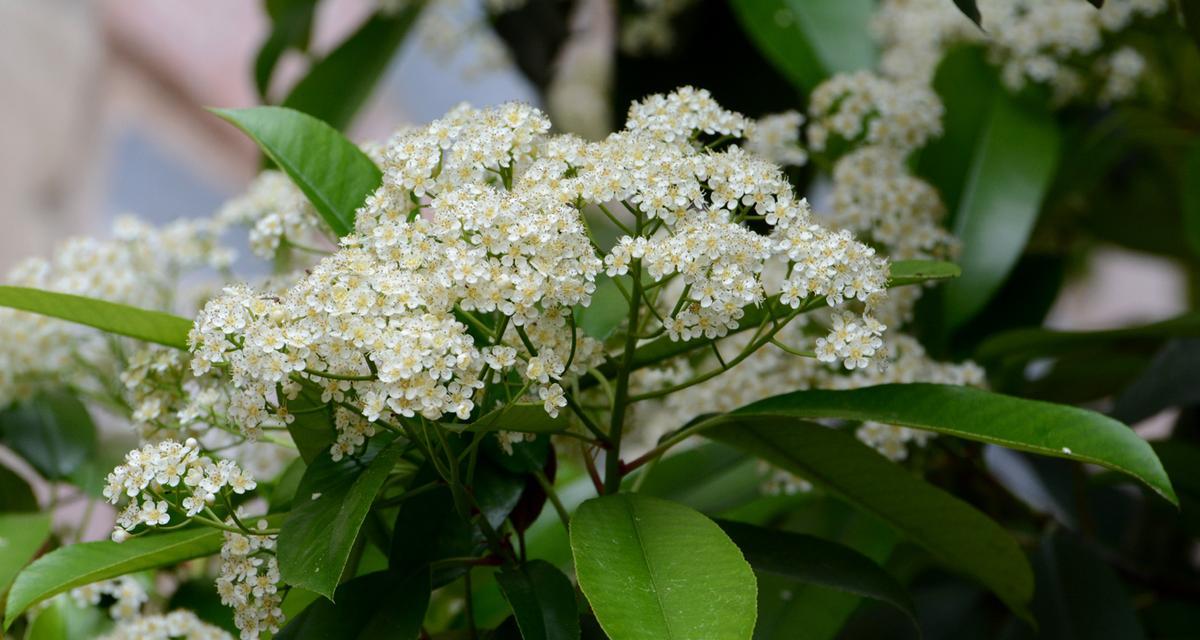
504	381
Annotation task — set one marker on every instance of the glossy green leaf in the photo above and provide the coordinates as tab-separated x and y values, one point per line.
970	10
810	40
121	319
338	85
52	431
993	166
1028	425
335	175
1190	183
21	535
523	417
730	479
16	496
79	564
377	605
542	600
812	560
312	427
655	569
312	551
607	310
1038	342
950	529
291	28
429	528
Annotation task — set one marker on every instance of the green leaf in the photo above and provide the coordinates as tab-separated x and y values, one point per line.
312	427
1168	381
377	605
338	85
906	272
333	173
969	10
63	618
655	569
1027	425
15	494
731	478
1190	182
812	560
329	508
522	417
428	529
291	28
542	599
52	431
1034	343
1191	18
950	529
607	310
993	166
79	564
810	40
200	596
21	535
121	319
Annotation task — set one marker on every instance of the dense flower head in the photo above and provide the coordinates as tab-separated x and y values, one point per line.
276	212
248	581
1062	44
867	108
465	266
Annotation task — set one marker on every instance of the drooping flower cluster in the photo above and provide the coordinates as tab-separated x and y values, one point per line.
248	581
138	266
127	593
466	263
167	478
865	108
1059	43
176	624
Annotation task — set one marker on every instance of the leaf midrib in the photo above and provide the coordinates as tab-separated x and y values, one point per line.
637	534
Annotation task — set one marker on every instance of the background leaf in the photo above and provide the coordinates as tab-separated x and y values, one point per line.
809	559
329	508
993	166
79	564
16	496
291	27
121	319
52	431
21	535
655	569
338	85
1028	425
377	605
950	529
810	40
1190	198
63	618
333	173
542	600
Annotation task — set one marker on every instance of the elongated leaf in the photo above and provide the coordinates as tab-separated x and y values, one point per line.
79	564
1033	343
312	428
522	416
950	529
810	559
970	10
428	529
337	86
52	431
1028	425
333	173
1169	381
993	167
1190	183
64	618
810	40
21	535
542	600
291	27
327	512
655	569
121	319
377	605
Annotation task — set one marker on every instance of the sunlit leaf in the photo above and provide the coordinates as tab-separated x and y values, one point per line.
121	319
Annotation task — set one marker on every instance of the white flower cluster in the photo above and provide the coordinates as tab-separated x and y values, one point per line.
127	593
864	107
248	581
277	213
136	267
176	624
776	137
169	477
467	261
1063	44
